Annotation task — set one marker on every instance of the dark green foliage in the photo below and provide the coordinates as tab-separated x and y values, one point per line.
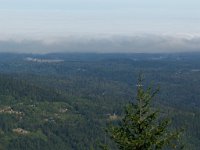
92	87
141	128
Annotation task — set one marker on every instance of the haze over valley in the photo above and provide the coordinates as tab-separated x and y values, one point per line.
99	74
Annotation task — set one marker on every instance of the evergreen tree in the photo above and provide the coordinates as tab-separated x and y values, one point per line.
141	128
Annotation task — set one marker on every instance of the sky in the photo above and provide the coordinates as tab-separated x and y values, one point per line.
53	21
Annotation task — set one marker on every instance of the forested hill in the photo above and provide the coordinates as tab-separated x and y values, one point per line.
64	101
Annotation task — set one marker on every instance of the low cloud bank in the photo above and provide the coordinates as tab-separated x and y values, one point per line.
118	44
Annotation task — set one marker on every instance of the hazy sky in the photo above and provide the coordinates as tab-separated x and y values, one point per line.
61	18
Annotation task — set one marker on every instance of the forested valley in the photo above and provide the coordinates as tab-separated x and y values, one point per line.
65	101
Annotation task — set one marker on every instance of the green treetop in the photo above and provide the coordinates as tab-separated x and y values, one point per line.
141	128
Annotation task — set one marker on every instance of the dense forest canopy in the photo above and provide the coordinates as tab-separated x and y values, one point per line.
65	101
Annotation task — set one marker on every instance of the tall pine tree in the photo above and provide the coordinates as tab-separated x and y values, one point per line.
141	128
